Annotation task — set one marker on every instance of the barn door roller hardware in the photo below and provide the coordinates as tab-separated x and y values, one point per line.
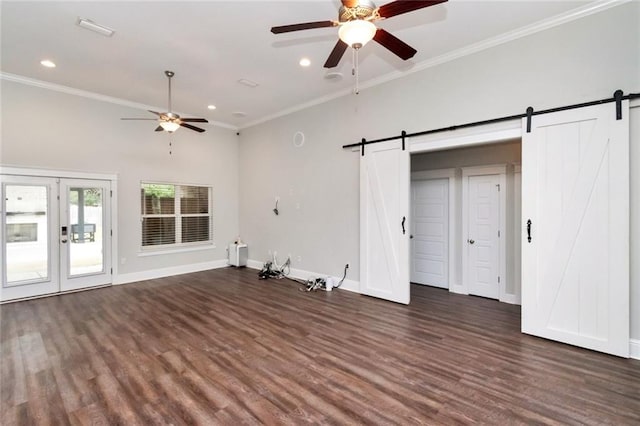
618	97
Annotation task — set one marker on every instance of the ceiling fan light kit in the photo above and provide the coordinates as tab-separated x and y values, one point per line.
357	33
169	126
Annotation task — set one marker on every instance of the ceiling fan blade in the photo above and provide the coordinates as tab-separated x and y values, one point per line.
394	44
153	112
189	126
194	120
159	129
304	26
152	119
336	54
399	7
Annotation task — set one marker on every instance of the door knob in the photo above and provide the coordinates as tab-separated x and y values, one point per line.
471	241
411	237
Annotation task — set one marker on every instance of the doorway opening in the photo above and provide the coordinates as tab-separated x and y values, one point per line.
465	207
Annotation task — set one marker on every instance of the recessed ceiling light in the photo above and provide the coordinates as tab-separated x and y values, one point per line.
96	28
212	107
305	62
47	63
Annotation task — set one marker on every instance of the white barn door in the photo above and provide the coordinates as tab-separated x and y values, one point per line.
384	222
575	192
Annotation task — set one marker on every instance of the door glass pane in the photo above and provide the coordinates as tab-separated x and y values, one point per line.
27	233
86	231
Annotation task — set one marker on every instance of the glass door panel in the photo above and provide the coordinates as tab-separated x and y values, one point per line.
85	236
29	237
85	252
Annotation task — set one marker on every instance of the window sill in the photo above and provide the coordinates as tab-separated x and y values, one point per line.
174	250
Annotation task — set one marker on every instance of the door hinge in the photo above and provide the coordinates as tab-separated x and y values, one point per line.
498	279
498	233
111	193
111	233
498	185
111	271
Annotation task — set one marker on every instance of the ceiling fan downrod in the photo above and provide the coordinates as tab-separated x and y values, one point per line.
169	74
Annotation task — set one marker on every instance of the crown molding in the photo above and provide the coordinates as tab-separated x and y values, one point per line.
569	16
572	15
91	95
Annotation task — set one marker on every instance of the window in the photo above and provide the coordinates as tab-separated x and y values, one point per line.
175	215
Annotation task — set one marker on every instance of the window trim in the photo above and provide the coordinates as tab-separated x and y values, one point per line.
177	247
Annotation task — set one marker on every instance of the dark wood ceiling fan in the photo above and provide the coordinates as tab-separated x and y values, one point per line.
170	121
363	13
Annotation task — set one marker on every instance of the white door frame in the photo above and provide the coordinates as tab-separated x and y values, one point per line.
67	174
467	172
449	174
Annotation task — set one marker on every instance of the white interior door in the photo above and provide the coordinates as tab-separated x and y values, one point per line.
384	222
430	232
85	233
575	193
29	237
483	245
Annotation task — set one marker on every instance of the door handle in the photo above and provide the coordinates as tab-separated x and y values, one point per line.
403	220
529	230
411	237
471	241
63	240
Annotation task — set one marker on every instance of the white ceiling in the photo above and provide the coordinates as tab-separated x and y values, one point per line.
212	44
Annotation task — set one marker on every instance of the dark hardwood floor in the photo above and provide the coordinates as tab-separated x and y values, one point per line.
222	347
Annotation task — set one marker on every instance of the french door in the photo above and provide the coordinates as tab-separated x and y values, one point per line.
56	235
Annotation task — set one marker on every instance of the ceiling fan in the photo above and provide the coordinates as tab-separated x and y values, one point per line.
170	121
356	18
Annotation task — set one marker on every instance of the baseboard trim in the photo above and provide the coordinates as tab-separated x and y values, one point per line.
301	274
512	299
634	348
167	272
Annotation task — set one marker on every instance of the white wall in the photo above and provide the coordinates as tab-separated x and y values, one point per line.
47	129
577	62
